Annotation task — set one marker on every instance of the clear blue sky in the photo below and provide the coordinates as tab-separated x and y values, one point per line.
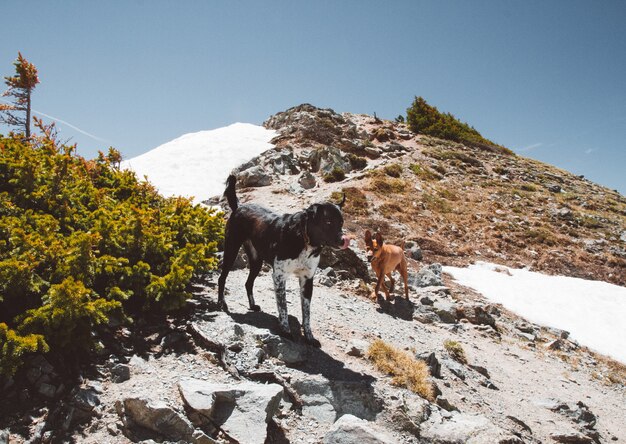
545	78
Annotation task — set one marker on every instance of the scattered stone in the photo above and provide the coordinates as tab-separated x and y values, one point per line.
357	347
47	390
428	276
4	437
477	314
554	188
242	410
307	180
430	358
85	400
254	177
572	437
425	300
352	430
465	428
289	352
158	417
120	373
482	370
557	344
408	412
445	404
456	368
446	310
317	396
413	250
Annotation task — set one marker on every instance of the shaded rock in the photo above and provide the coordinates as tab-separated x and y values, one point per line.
477	314
554	188
158	417
352	430
415	252
455	368
254	177
47	390
572	437
430	358
307	180
286	351
120	373
317	397
428	276
84	400
242	410
4	437
282	162
357	347
465	428
308	123
446	310
348	261
482	370
326	400
408	412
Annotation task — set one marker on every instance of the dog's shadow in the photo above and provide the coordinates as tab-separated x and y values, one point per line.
399	308
318	362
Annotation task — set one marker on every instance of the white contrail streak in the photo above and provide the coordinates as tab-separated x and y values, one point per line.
56	119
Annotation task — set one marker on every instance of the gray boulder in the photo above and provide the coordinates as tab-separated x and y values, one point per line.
4	437
428	276
254	177
307	180
242	410
460	428
158	417
351	430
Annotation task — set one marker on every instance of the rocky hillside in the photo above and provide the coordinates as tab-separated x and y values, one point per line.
460	204
204	376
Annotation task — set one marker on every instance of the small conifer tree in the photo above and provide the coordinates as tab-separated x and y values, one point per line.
20	87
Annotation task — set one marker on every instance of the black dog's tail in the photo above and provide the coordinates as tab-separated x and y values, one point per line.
229	192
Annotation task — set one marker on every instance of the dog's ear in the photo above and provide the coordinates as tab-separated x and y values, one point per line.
368	237
311	212
379	239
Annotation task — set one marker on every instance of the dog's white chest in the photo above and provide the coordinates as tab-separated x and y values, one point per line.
302	266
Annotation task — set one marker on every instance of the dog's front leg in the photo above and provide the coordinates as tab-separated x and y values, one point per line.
281	303
306	293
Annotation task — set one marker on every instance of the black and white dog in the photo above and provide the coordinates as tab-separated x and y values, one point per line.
290	243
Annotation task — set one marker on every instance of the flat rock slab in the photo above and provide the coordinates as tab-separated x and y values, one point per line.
158	417
465	428
241	410
352	430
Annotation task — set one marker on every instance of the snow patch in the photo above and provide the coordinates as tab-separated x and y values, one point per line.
197	164
594	312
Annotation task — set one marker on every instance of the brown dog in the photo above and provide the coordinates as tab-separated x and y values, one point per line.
385	259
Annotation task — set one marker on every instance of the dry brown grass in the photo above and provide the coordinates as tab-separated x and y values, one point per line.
406	370
356	201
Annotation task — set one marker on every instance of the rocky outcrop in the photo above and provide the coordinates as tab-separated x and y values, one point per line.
158	417
352	430
307	123
241	411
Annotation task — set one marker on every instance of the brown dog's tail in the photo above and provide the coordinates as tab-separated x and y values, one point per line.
230	194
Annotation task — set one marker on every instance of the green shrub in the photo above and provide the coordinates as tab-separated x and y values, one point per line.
82	238
426	119
357	162
337	174
455	350
423	172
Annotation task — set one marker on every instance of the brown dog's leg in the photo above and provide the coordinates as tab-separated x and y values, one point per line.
402	268
393	283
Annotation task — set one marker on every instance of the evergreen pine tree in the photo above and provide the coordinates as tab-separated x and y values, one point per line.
20	87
